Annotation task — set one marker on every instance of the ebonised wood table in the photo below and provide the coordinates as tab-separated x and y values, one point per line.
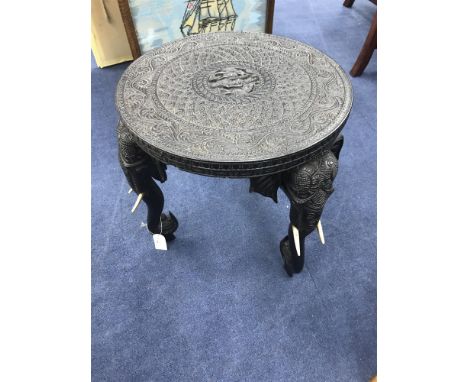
238	105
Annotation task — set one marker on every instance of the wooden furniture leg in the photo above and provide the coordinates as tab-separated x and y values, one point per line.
367	49
140	170
308	187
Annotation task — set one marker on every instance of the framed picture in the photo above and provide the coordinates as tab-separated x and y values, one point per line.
151	23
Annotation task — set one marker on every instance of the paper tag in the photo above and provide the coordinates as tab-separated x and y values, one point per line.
160	242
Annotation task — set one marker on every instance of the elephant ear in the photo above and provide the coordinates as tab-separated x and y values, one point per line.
266	185
337	146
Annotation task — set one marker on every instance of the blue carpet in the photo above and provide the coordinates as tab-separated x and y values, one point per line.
218	305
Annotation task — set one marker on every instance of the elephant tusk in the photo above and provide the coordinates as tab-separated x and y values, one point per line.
297	243
320	232
137	203
130	191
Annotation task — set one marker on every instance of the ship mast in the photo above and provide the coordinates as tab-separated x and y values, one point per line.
203	16
190	22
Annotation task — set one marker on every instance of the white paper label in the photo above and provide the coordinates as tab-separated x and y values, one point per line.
160	242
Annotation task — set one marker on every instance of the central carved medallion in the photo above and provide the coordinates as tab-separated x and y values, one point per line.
233	80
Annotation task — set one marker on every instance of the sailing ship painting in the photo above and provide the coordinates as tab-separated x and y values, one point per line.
202	16
157	22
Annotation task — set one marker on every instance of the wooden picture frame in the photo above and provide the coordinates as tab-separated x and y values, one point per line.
131	32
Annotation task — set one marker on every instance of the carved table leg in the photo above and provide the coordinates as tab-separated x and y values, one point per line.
308	187
140	169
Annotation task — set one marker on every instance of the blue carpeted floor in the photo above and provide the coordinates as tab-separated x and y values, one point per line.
218	305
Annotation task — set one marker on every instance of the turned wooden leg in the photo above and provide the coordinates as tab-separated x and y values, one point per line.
348	3
140	169
367	49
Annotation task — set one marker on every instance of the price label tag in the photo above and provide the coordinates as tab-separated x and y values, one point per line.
160	242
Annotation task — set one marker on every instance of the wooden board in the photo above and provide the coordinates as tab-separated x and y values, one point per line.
108	36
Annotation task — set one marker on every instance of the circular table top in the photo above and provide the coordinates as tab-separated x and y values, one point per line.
234	104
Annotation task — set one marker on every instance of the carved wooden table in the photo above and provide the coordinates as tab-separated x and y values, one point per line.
239	105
